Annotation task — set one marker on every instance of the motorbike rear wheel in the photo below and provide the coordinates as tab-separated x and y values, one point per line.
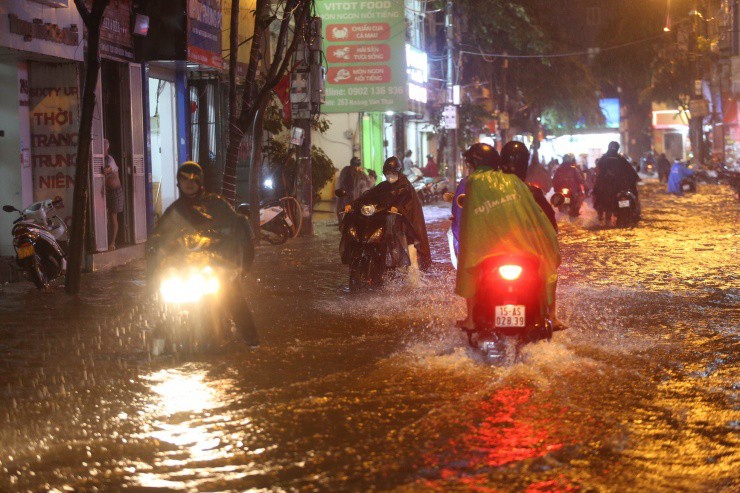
37	275
279	236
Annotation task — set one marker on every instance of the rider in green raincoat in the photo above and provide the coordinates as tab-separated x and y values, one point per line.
500	217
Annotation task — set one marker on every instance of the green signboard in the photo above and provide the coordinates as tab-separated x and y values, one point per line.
364	45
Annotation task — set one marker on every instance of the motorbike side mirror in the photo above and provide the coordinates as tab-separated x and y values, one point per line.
448	196
461	200
9	208
557	199
339	193
243	209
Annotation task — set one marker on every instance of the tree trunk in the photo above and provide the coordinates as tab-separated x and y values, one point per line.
82	171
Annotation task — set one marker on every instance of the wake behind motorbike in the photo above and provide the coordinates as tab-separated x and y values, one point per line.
510	308
567	200
37	234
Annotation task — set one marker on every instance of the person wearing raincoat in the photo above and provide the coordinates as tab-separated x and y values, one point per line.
678	173
194	212
398	195
500	216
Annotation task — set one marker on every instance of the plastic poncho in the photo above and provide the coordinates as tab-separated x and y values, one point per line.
678	173
501	217
457	215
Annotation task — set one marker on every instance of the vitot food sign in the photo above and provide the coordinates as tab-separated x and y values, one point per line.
364	44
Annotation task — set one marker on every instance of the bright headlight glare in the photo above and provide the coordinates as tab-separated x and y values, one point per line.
190	287
353	232
376	236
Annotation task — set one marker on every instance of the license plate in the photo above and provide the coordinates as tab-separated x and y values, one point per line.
288	221
25	251
624	203
687	187
567	200
510	316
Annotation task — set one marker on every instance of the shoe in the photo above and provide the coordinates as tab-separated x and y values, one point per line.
111	248
557	325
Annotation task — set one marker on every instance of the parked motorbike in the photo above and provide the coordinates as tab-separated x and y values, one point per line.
428	189
732	178
37	234
275	224
510	309
188	279
566	200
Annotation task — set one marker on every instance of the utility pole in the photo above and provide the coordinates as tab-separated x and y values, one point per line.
451	147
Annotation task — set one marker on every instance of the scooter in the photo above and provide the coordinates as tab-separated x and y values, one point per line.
688	184
36	238
510	309
626	212
275	225
566	200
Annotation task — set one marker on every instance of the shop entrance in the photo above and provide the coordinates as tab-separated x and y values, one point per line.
163	124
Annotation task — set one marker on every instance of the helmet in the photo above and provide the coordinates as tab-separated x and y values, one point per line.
482	155
192	171
515	159
355	161
392	165
569	158
613	146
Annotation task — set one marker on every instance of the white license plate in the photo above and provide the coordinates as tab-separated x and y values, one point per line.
567	200
510	316
687	187
624	203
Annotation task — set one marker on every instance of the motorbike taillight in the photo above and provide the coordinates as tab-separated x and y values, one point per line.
510	272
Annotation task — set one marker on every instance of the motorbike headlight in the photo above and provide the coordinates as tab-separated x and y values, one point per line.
367	210
376	236
190	287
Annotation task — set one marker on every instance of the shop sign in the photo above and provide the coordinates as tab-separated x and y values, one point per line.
29	26
364	43
449	116
204	32
246	28
115	33
54	112
417	70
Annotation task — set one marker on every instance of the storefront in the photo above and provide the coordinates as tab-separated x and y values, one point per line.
41	47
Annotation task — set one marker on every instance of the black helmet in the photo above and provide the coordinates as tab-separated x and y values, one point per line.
515	159
192	171
392	165
613	146
482	155
355	161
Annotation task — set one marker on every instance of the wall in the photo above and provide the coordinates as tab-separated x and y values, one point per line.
336	145
10	175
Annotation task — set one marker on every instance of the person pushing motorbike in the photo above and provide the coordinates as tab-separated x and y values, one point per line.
197	211
398	195
614	174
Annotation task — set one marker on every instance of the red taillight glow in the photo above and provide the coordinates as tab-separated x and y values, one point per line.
510	272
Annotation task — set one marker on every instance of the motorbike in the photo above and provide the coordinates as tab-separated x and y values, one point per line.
367	237
428	189
566	200
275	224
688	184
188	280
37	237
510	309
732	178
626	211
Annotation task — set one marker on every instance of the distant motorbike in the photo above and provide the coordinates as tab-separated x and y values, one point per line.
510	309
626	212
428	189
566	200
688	184
37	234
275	224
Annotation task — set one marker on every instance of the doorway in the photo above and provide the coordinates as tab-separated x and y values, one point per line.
163	124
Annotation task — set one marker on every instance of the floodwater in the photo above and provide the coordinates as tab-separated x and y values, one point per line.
378	391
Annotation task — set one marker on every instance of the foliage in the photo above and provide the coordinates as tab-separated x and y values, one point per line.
471	120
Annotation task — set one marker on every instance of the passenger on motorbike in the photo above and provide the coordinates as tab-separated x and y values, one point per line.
500	216
199	212
398	195
614	174
569	176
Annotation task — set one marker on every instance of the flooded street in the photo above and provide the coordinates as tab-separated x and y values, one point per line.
379	391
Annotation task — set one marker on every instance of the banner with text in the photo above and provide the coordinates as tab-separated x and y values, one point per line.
204	32
364	44
54	111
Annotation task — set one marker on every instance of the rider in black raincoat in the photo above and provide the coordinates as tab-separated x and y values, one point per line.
197	212
398	193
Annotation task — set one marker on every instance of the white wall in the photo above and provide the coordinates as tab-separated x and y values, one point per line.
10	170
336	145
